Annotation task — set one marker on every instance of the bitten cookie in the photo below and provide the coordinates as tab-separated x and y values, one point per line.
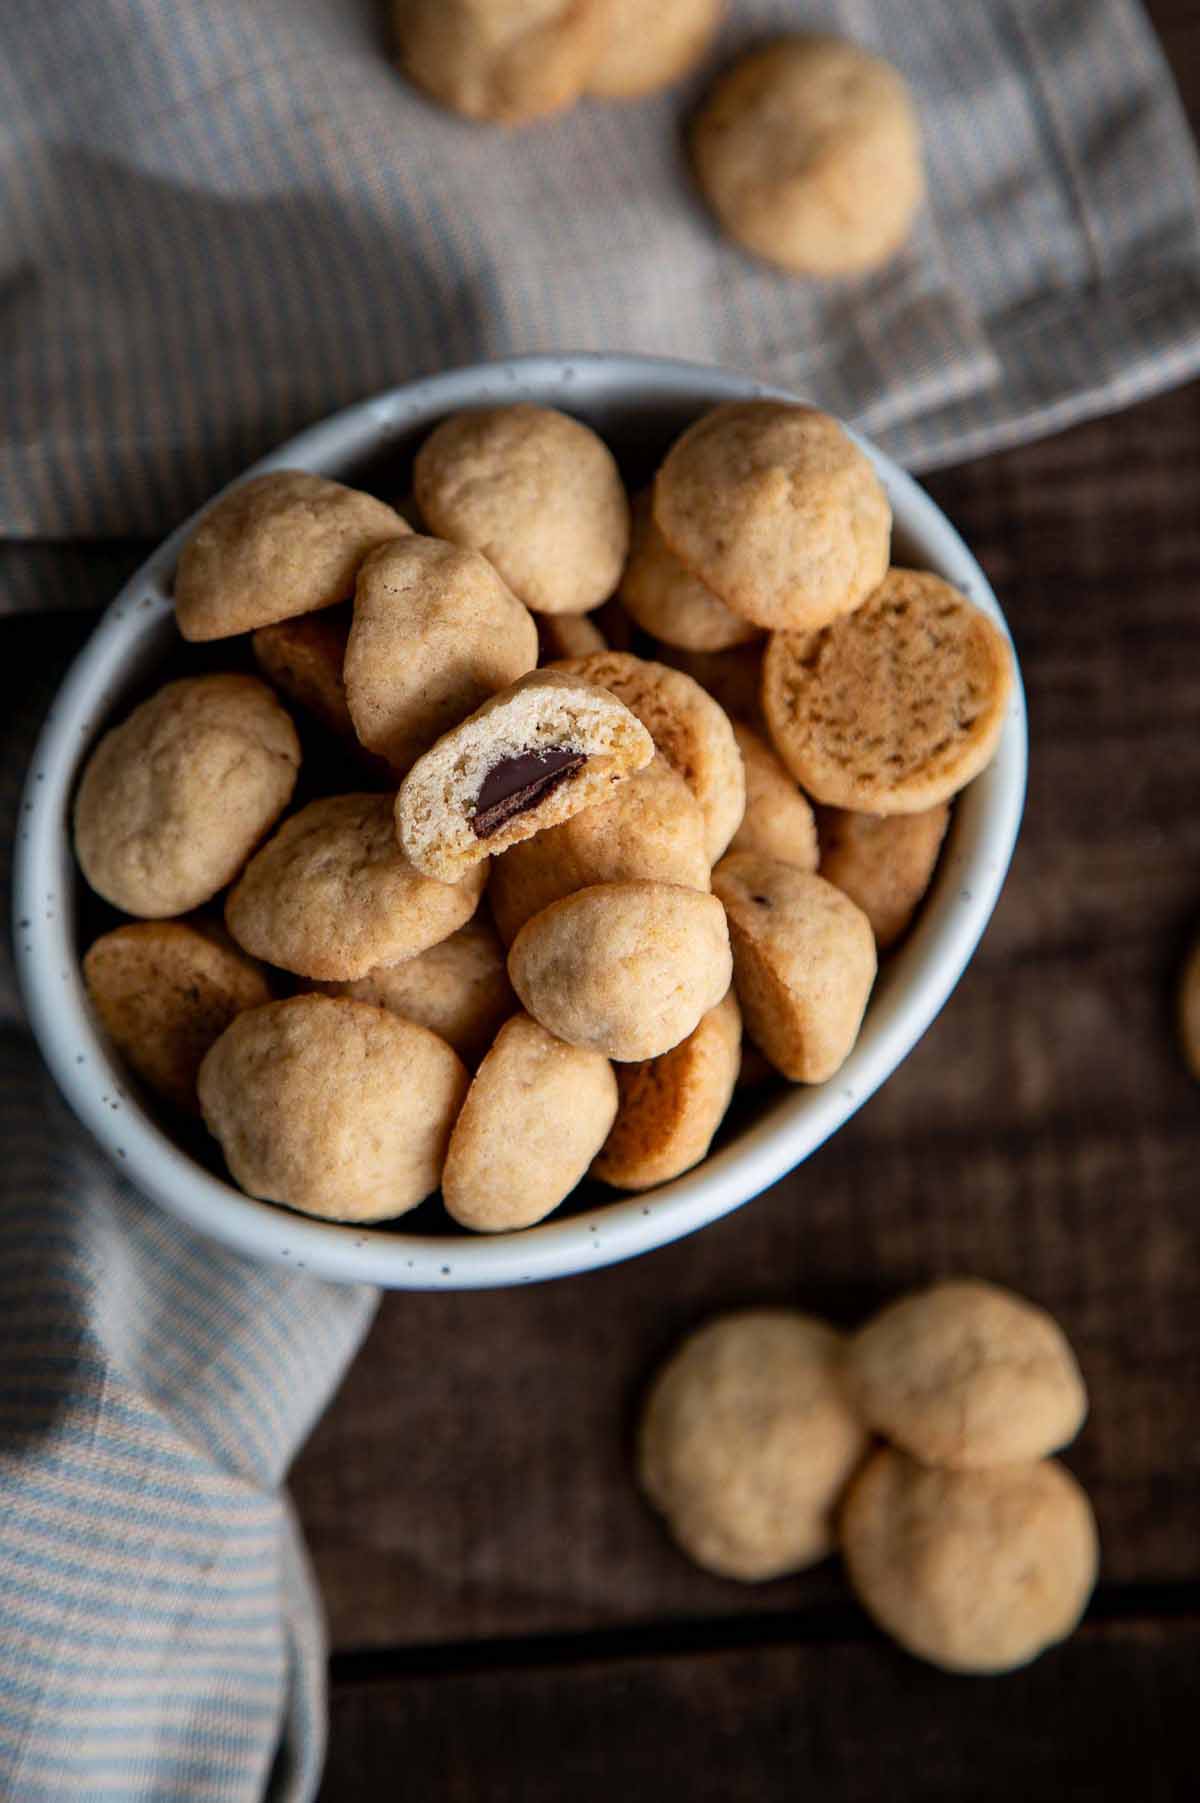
747	1442
331	1106
164	991
804	963
976	1571
1189	1012
650	47
510	61
459	989
281	544
778	822
175	799
809	153
665	599
533	1119
435	632
652	830
777	510
670	1107
884	864
967	1375
529	758
896	708
332	895
538	493
627	968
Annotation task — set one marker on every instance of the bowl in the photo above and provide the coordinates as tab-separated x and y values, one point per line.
638	404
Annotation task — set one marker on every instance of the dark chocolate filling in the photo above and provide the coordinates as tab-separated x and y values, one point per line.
516	784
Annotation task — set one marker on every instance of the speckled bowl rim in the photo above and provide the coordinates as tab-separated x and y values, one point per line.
913	986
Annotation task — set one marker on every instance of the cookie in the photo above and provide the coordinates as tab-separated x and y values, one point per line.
459	989
652	830
777	510
332	895
967	1375
687	727
650	47
666	600
629	969
435	632
164	991
282	544
538	493
747	1442
1189	1012
509	61
804	963
778	822
303	659
809	153
567	635
733	678
534	1118
975	1571
884	864
175	799
530	757
896	708
333	1107
671	1106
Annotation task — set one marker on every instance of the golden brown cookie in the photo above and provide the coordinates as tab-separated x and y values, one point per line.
650	47
976	1571
884	864
778	511
896	708
282	544
809	152
747	1442
778	821
670	1107
666	600
175	798
303	659
1189	1012
510	61
459	989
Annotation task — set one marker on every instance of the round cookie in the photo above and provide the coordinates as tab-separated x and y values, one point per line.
331	1106
778	511
459	989
510	61
884	864
1189	1012
733	678
435	632
650	47
651	830
804	963
281	544
666	600
747	1442
809	152
688	728
534	1118
332	895
567	635
778	822
164	991
975	1571
175	798
627	968
896	708
670	1107
967	1375
538	493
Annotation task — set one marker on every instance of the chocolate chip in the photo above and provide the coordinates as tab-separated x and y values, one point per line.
516	784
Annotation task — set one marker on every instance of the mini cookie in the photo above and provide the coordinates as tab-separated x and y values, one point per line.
459	989
733	678
332	895
538	493
505	60
896	708
336	1108
567	635
687	727
884	864
175	799
778	822
809	153
303	659
649	47
665	599
968	1375
530	757
281	544
164	991
747	1442
435	632
777	510
627	968
670	1107
651	830
976	1571
534	1118
1189	1012
804	963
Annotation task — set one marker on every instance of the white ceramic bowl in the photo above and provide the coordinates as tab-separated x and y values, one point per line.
639	404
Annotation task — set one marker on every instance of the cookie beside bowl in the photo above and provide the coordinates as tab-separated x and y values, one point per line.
639	405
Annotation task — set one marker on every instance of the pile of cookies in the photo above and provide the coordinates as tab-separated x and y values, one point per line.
359	1026
962	1537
